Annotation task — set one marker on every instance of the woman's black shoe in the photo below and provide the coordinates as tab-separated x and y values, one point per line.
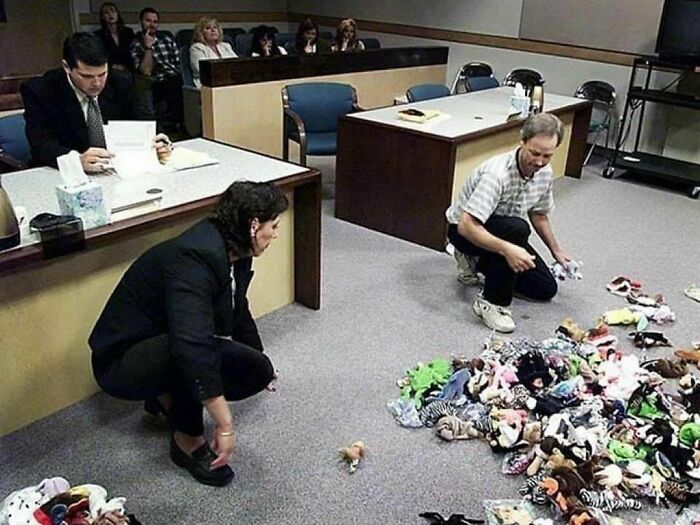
198	465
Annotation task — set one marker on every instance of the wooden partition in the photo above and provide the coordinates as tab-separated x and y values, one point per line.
241	98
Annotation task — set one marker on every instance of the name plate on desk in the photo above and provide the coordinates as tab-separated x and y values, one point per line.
235	71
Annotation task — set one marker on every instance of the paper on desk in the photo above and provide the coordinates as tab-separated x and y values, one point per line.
185	158
71	170
131	141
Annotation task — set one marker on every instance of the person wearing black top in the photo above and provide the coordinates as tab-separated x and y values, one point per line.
309	41
177	331
116	37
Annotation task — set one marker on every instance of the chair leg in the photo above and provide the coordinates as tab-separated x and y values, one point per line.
590	152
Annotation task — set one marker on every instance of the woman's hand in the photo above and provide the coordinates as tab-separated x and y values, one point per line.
224	446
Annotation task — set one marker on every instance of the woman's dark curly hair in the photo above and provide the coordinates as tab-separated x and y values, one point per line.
242	202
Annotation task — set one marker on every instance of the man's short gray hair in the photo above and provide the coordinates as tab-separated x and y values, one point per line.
542	124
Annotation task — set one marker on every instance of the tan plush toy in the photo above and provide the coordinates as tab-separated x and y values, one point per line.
353	454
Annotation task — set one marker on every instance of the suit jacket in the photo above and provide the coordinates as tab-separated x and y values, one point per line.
181	287
55	123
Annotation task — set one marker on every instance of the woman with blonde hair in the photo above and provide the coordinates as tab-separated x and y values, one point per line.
207	44
346	37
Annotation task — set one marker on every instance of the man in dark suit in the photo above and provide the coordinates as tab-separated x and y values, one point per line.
66	108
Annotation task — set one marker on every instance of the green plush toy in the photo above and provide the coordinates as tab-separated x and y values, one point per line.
689	434
424	378
619	451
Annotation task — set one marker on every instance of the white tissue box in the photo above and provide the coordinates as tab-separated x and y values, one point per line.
519	104
85	201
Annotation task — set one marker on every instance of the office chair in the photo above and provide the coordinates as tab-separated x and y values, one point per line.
232	32
310	114
427	92
603	97
370	43
480	83
243	44
191	96
470	70
529	78
183	37
14	147
286	40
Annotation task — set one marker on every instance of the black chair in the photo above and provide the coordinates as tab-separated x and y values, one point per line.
371	43
230	33
327	36
286	40
184	37
528	78
603	96
467	71
243	44
164	33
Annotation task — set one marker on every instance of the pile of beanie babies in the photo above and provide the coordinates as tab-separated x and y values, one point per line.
54	502
593	429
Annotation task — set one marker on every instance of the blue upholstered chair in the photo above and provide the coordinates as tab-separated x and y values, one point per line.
243	44
230	34
479	83
14	148
467	71
603	95
286	40
371	43
183	37
427	92
311	113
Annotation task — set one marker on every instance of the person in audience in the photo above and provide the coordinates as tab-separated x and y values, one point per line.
177	330
116	37
207	44
346	37
488	227
156	56
265	43
65	109
308	40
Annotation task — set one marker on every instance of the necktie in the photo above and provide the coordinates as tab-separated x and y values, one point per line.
96	133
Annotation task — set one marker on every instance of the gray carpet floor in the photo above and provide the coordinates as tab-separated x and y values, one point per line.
386	304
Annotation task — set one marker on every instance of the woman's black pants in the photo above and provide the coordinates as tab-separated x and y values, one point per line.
501	281
148	369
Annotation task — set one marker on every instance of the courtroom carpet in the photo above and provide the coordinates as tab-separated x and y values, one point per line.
386	304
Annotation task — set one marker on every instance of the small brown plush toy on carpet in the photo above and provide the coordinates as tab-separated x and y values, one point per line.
353	454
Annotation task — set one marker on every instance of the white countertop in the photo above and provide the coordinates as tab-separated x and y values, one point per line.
462	114
35	189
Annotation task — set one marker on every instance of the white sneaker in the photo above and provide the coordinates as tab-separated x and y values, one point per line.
466	265
495	317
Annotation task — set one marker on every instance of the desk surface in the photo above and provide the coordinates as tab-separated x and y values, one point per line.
464	114
34	189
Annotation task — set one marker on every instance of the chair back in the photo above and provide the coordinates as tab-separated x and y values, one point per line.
328	36
165	33
286	40
320	104
232	32
186	67
13	140
479	83
603	96
427	92
243	44
371	43
597	91
529	78
183	37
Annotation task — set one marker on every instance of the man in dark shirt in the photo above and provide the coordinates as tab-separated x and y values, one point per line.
66	108
156	56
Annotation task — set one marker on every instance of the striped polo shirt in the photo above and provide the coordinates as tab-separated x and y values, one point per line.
496	188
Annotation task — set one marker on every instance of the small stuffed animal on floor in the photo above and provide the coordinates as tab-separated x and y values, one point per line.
353	454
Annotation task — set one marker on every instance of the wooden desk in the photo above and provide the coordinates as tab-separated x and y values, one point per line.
48	307
398	178
242	102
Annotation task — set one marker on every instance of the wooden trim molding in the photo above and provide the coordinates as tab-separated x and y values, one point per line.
502	42
132	17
